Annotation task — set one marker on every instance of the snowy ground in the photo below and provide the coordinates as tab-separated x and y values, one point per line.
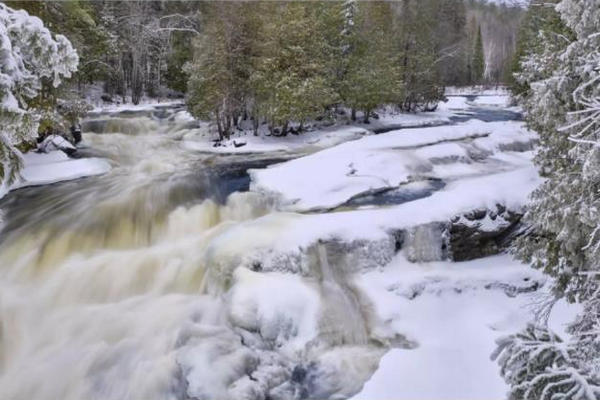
55	166
454	312
317	138
477	91
331	177
308	141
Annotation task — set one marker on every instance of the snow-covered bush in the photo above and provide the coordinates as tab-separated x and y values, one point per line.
29	53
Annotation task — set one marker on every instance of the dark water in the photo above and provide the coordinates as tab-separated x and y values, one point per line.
488	115
399	195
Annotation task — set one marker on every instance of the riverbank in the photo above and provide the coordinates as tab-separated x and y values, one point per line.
55	166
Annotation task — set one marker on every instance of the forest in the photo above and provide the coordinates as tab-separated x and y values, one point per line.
274	63
289	200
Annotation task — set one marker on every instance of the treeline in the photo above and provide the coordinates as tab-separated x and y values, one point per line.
293	61
283	62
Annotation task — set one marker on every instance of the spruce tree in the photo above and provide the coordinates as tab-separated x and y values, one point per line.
418	56
371	77
478	65
562	101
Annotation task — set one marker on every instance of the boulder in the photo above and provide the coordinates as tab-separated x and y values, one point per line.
56	142
482	232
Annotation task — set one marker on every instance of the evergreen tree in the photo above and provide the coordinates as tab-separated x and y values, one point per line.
562	101
418	57
296	66
478	65
451	34
219	71
371	76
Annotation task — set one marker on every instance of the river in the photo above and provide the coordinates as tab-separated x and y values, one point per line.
118	287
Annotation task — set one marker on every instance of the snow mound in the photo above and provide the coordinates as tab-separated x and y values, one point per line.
55	166
248	143
458	312
330	178
493	100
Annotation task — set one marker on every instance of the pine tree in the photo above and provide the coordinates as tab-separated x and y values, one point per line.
539	366
562	100
371	77
418	57
451	35
478	66
295	70
219	70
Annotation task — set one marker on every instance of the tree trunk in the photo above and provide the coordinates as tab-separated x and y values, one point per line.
219	126
353	114
367	113
228	127
284	129
255	123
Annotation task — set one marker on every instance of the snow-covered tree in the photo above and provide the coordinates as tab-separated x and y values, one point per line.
29	54
538	365
561	78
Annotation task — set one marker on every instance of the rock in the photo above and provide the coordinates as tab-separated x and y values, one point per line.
56	142
482	233
106	98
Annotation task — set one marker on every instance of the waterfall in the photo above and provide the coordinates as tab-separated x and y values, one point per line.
425	243
141	285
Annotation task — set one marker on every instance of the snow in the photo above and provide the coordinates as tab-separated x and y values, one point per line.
55	166
307	141
477	91
454	312
144	105
399	120
491	100
331	177
278	239
454	103
273	298
295	313
319	138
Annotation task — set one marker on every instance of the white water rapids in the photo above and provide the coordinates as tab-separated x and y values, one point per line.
133	285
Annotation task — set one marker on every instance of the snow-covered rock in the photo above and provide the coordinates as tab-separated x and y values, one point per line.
55	166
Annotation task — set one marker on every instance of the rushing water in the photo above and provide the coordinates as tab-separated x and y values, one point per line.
122	286
143	283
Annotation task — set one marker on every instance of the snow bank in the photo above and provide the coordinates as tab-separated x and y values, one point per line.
476	91
454	312
248	143
55	166
493	100
331	177
278	241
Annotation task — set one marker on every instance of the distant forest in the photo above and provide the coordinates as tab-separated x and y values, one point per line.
138	48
